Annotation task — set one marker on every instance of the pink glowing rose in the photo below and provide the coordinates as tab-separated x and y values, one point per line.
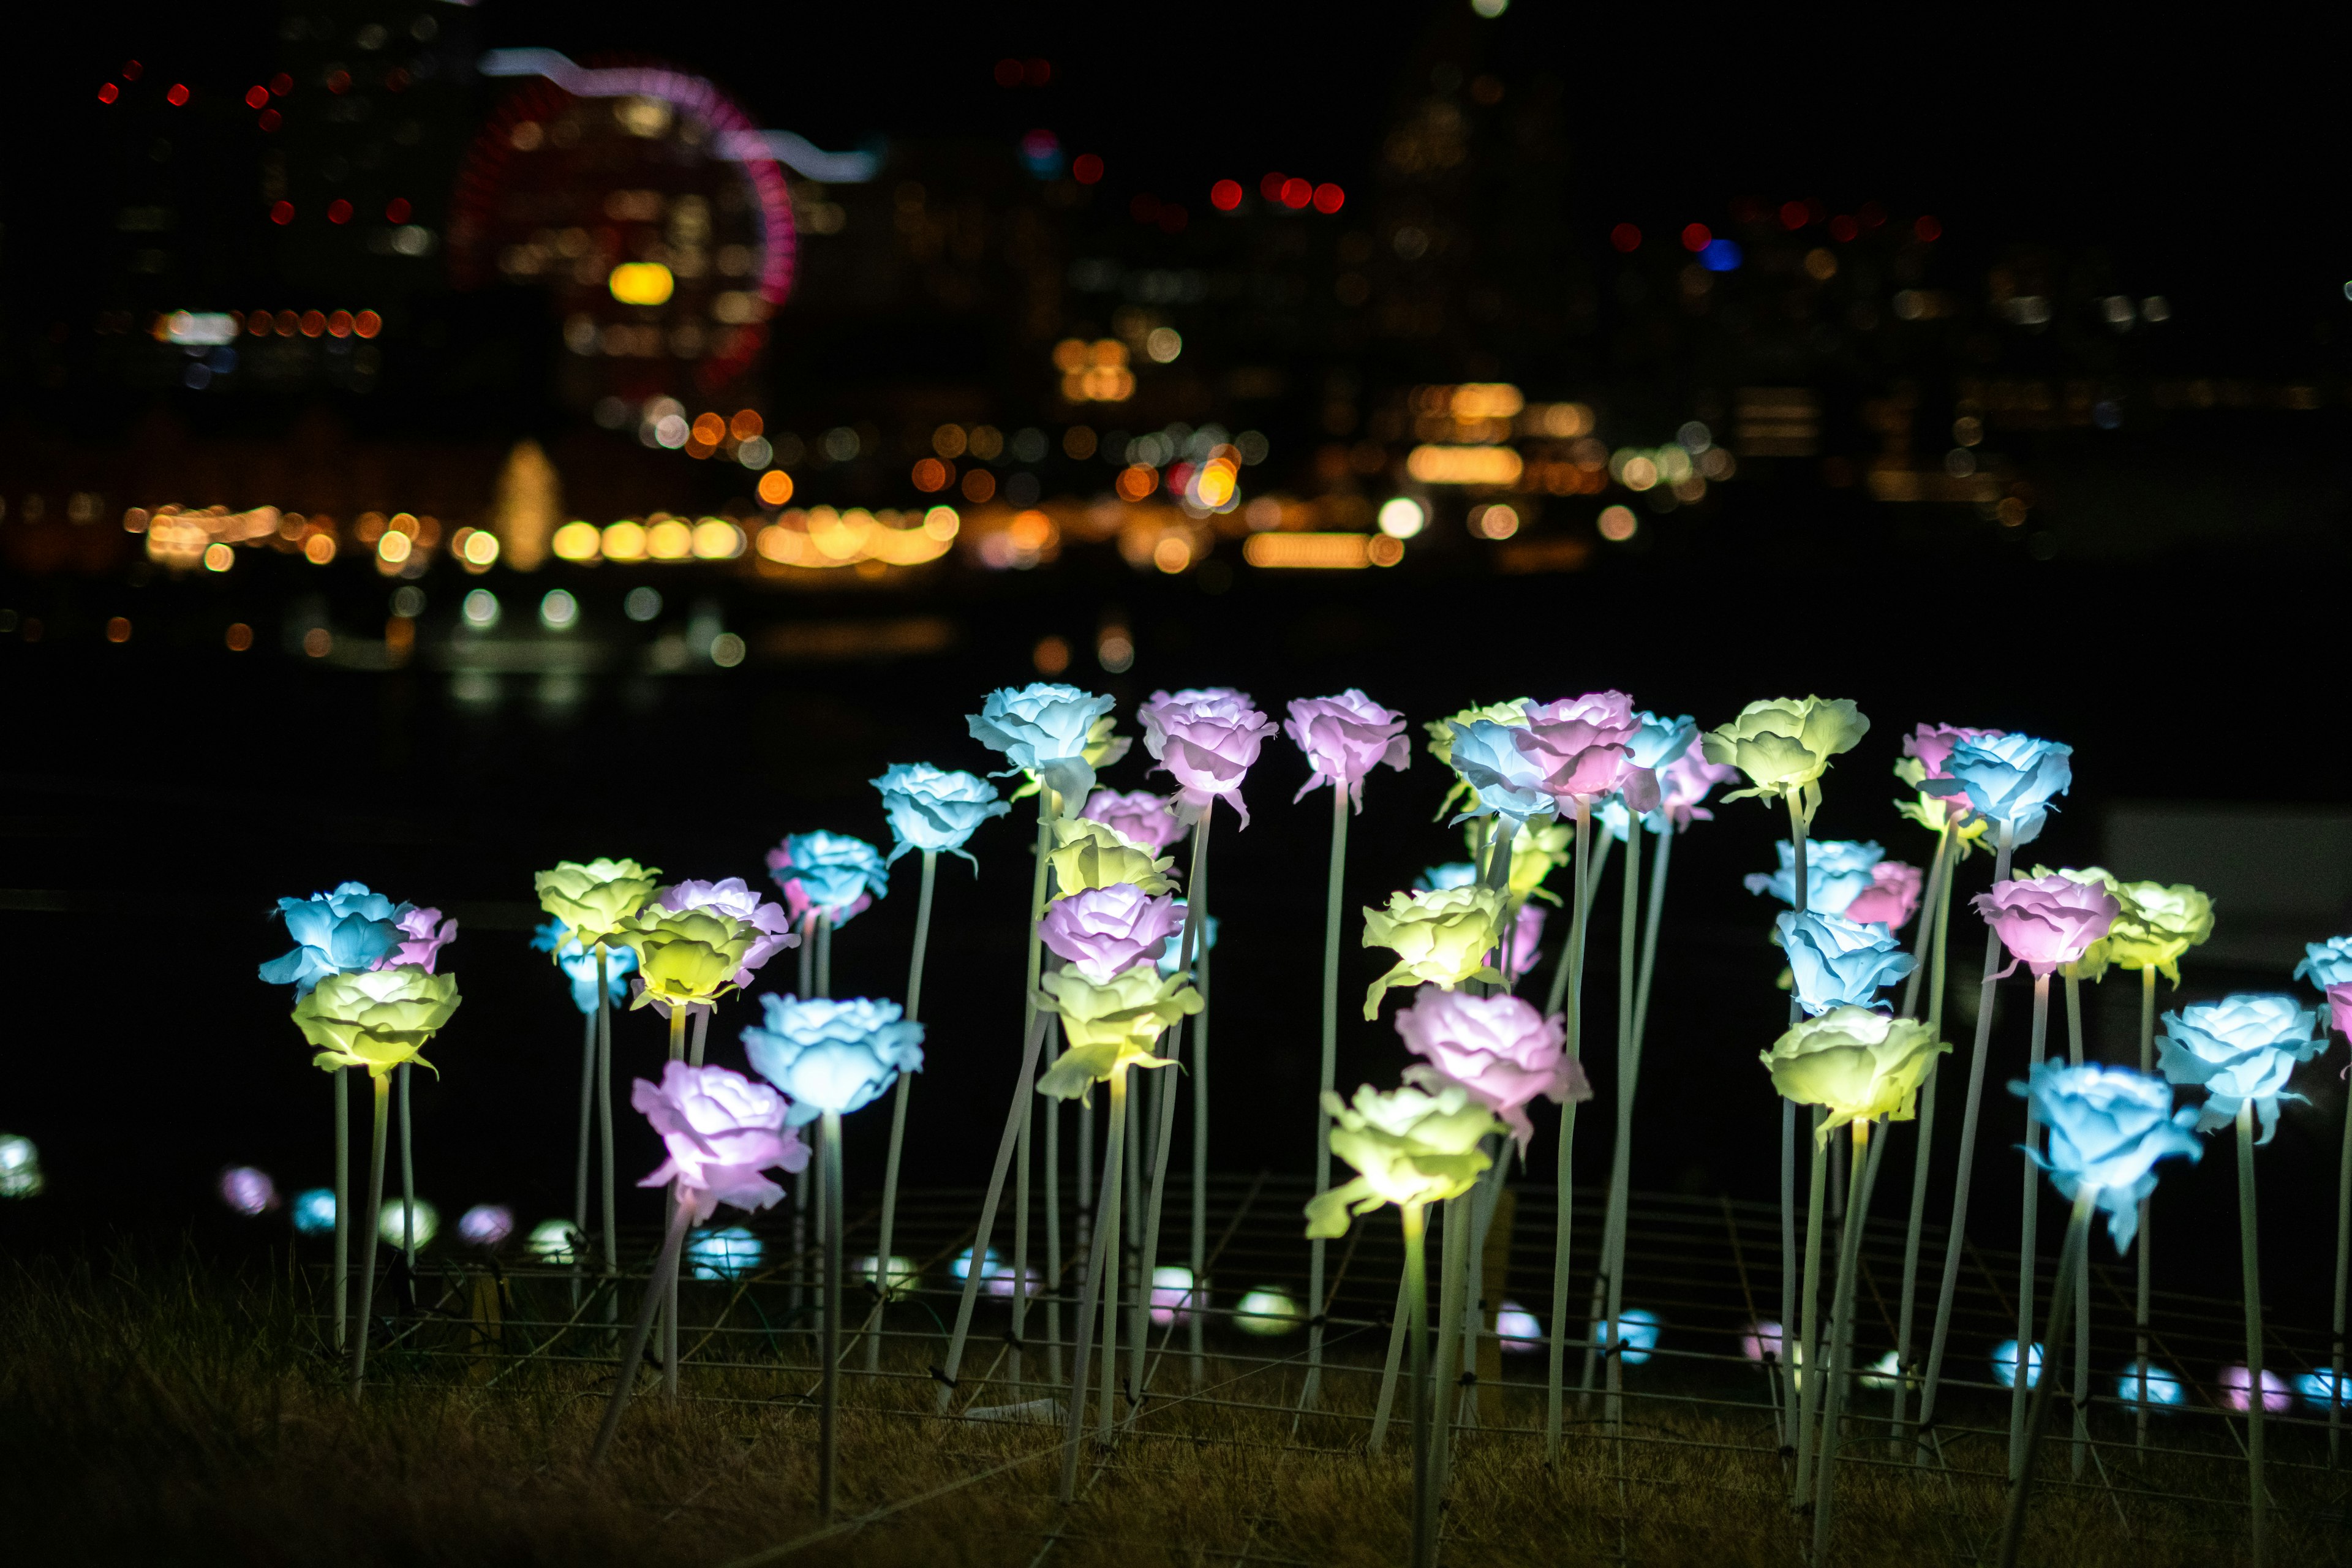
1584	745
1104	932
2046	922
734	898
2339	1007
724	1131
1142	817
1932	744
1207	740
1345	738
1892	898
1684	782
1527	931
421	940
1498	1048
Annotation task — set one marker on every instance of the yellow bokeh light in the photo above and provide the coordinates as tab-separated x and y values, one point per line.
1485	400
1214	487
775	488
1108	351
716	539
641	283
394	548
1173	554
219	558
577	541
1463	465
624	541
481	548
1069	354
319	549
781	544
942	522
1031	531
669	540
947	440
710	429
747	425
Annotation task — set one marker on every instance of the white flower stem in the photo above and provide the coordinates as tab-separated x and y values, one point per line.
1163	1105
1563	1221
1025	1110
611	1226
1937	891
885	1282
1809	1363
580	1170
1316	1306
1935	915
360	1334
407	1188
2343	1278
1957	1238
2250	1261
1834	1368
665	1280
1099	1261
2078	1228
1800	885
1417	1290
2082	1446
824	954
1454	1262
343	1206
829	1409
1589	881
1196	910
985	1232
633	1354
1621	1173
1400	1325
2139	1302
2028	1225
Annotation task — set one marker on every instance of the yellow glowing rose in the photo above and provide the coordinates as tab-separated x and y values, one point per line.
2158	923
1090	854
1541	849
1110	1024
596	900
376	1018
1855	1062
686	955
1408	1146
1783	745
1440	938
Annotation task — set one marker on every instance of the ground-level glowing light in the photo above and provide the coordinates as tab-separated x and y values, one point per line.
1171	1294
1884	1373
903	1272
557	1241
248	1190
1639	1330
1761	1339
2275	1396
2005	1364
1268	1311
2163	1388
558	610
480	609
1517	1329
1402	517
20	1166
314	1211
723	1254
996	1275
389	1222
2322	1388
486	1224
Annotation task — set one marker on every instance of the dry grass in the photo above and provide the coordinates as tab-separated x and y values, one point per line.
152	1410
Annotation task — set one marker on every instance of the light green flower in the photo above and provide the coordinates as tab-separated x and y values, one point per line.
686	955
1440	938
1090	854
1855	1062
1441	742
596	900
1110	1024
2156	925
376	1018
1783	745
1541	849
1408	1146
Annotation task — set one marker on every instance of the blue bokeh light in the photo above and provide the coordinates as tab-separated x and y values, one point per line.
2163	1388
1640	1329
314	1212
2005	1364
1720	256
723	1254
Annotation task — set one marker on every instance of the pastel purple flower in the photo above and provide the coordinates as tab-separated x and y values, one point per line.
2339	1008
1684	784
420	940
1345	738
1585	746
1527	932
2046	922
1104	932
1892	898
734	898
724	1131
1498	1048
1207	740
1141	815
1931	744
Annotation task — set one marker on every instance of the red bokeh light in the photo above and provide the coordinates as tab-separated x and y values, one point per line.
1086	169
1329	198
1039	72
1870	214
1225	195
396	210
1625	238
367	323
271	120
338	82
255	97
131	69
1842	228
1296	192
1008	73
1927	228
1794	216
1271	187
339	211
1696	236
281	84
107	92
283	213
177	94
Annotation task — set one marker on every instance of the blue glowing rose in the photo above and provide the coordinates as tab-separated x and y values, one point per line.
2108	1127
1839	962
1837	872
1452	874
2009	779
2326	963
1508	779
832	873
340	932
1656	741
579	964
828	1055
1046	730
933	810
2242	1048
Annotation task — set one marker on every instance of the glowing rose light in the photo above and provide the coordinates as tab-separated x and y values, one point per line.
1268	1311
314	1212
726	1253
2108	1127
597	899
723	1133
1409	1146
1089	854
2339	1008
1047	731
1584	745
2240	1050
1853	1063
579	964
1835	962
2007	778
935	811
836	875
2163	1387
1837	872
1172	1295
686	956
1500	776
1641	1329
1104	931
335	934
2325	963
1452	874
1442	731
2277	1398
248	1190
829	1055
1761	1339
424	933
1925	751
486	1225
2046	922
1140	816
1538	849
1439	939
392	1224
771	929
1684	782
2005	1364
1784	745
1891	900
557	1241
1110	1024
1517	1329
376	1018
1499	1048
1171	955
1345	738
1207	740
1525	950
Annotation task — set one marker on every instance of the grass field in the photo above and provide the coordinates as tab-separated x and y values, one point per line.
153	1410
